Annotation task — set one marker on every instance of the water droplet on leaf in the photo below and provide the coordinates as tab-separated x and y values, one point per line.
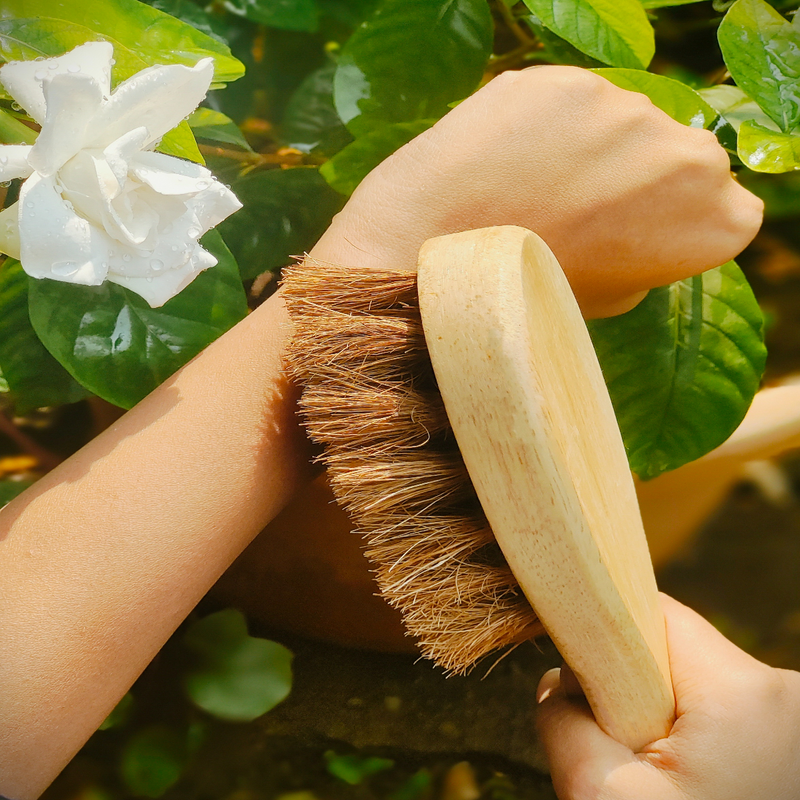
126	257
74	68
156	264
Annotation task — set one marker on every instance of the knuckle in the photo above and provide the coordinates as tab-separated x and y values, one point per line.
574	81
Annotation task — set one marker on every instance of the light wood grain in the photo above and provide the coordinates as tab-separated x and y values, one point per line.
533	420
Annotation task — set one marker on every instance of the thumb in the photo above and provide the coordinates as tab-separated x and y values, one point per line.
580	754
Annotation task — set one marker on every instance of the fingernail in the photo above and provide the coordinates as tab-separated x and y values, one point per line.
535	66
550	681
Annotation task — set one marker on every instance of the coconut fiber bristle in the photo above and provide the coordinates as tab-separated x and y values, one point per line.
370	398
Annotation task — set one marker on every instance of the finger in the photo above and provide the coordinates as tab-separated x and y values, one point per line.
549	683
581	756
699	654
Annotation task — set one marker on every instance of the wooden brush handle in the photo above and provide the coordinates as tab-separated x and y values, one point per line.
532	417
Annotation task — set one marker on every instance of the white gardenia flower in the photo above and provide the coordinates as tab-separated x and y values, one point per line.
98	204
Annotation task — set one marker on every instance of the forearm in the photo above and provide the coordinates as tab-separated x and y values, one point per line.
107	554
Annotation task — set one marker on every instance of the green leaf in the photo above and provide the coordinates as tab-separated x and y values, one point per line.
152	761
189	12
285	212
236	677
410	60
180	142
35	379
290	15
9	489
350	166
42	37
762	51
682	367
765	150
155	37
214	126
616	32
111	341
734	105
355	768
677	99
554	49
310	121
12	131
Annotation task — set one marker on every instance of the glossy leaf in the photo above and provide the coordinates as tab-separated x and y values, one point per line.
111	341
180	142
350	166
152	761
235	676
310	121
214	126
765	150
285	212
12	131
9	489
290	15
682	367
762	51
154	36
410	60
734	105
615	32
555	50
28	38
189	12
35	379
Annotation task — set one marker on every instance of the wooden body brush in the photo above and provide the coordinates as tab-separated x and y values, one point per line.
469	434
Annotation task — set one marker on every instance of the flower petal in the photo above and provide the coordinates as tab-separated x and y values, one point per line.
14	161
55	242
157	98
160	287
120	152
212	201
24	80
9	231
72	103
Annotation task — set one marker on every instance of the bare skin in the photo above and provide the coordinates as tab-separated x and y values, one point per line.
103	558
736	737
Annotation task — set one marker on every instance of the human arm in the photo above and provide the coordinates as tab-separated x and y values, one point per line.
736	737
104	557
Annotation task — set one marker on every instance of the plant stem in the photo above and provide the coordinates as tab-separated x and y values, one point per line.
285	157
513	24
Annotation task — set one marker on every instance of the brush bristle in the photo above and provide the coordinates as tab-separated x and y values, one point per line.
370	398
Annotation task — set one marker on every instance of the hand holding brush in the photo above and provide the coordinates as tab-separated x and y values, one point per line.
107	554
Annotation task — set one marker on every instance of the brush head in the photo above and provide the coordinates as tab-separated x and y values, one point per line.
370	398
